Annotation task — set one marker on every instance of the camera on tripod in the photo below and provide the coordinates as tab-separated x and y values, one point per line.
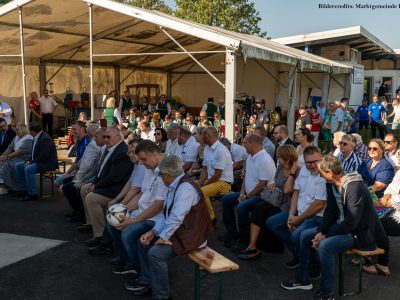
246	105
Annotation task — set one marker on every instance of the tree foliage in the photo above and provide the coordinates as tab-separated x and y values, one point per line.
149	4
236	15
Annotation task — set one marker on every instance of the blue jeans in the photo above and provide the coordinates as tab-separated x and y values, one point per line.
25	176
328	249
154	268
278	226
126	241
229	202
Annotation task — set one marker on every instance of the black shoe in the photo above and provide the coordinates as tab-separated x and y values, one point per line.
293	264
30	197
123	269
101	250
116	261
239	247
315	273
71	214
21	193
93	242
85	228
249	254
320	296
76	218
295	284
138	289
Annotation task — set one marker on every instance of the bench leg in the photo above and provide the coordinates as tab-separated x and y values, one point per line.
41	185
197	282
360	274
53	177
342	259
220	283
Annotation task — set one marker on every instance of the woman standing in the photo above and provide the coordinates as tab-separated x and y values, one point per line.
108	113
34	106
315	124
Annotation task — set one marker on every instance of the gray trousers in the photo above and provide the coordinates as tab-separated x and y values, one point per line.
154	267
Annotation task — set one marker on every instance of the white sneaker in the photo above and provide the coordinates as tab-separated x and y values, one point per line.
3	191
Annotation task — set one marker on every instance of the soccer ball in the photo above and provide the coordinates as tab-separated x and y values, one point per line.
116	214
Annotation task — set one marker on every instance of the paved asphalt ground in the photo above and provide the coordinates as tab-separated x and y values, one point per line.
67	271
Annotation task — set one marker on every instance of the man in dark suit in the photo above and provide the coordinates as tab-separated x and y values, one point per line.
6	135
281	137
114	170
44	158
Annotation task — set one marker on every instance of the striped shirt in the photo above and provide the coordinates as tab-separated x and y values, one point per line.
351	163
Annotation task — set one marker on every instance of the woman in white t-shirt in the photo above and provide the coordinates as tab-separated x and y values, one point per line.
304	138
396	114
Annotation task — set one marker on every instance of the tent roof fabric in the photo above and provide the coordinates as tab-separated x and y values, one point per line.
356	37
59	33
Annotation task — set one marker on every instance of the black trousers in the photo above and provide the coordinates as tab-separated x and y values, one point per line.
47	123
73	195
374	126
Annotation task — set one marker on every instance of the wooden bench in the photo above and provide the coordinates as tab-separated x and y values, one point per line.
51	175
210	261
358	254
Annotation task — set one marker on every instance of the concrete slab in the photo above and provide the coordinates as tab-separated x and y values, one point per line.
14	248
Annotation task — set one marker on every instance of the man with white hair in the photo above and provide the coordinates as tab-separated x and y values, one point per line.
360	149
350	161
337	118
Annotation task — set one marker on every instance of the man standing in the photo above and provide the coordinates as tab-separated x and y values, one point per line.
337	118
349	221
163	107
216	175
363	116
184	226
375	111
304	120
5	112
260	169
263	116
126	104
44	158
210	108
306	207
221	108
7	134
47	106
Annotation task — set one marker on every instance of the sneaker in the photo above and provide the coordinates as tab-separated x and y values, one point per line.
239	247
293	264
295	284
320	296
138	289
123	269
315	274
116	261
3	191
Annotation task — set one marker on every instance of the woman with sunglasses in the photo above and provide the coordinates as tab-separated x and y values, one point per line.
377	172
161	138
304	138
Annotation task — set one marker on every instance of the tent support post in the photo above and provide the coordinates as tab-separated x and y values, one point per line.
292	99
169	84
325	88
230	92
42	76
91	60
21	33
192	57
117	82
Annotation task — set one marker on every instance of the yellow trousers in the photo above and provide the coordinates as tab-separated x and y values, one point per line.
214	189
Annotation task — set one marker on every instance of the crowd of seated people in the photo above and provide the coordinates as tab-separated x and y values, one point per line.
167	170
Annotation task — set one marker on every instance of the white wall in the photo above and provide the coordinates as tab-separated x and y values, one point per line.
378	74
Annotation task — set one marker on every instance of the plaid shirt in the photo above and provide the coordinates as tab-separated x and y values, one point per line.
362	152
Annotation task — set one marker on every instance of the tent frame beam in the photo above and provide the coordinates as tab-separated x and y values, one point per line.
21	33
157	53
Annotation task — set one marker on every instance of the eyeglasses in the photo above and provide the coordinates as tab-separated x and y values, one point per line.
157	133
161	174
107	136
388	142
373	149
343	144
312	162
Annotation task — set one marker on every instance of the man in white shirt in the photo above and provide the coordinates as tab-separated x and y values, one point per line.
5	112
260	169
146	207
47	106
146	132
184	226
306	208
188	148
172	143
338	118
216	175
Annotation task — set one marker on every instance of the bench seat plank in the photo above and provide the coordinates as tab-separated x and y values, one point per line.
212	261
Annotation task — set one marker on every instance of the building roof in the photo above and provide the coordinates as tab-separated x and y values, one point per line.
56	32
356	37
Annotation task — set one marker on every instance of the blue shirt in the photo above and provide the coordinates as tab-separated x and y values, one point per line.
376	111
383	172
353	127
81	146
363	112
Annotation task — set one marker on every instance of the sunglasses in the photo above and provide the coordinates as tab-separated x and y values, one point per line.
312	162
373	149
343	143
157	133
107	136
388	142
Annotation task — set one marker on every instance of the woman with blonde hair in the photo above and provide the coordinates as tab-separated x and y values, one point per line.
108	113
337	138
19	150
396	114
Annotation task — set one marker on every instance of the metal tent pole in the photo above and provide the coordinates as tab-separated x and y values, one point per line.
91	60
230	93
21	33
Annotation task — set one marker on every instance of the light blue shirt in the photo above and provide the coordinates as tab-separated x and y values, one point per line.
6	109
182	199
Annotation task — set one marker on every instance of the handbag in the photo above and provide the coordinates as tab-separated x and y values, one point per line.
274	198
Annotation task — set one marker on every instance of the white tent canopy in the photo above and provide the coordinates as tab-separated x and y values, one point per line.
108	33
